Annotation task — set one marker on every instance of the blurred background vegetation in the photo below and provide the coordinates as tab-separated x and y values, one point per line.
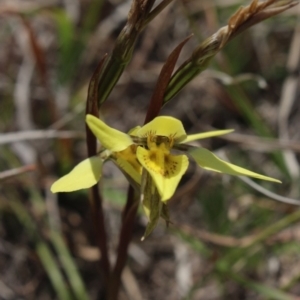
229	239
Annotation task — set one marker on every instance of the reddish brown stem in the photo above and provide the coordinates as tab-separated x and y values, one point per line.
96	200
129	215
99	231
131	207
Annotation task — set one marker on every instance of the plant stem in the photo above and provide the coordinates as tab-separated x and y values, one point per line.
129	215
96	200
99	231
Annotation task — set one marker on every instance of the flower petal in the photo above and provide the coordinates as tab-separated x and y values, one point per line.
134	130
128	162
84	175
207	160
110	138
205	135
167	175
129	169
164	126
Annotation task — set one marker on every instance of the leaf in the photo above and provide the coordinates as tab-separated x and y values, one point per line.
84	175
157	99
208	161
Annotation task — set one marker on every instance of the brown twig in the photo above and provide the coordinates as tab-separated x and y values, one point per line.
16	172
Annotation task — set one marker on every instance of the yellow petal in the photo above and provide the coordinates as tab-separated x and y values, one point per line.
131	174
129	169
167	173
205	135
207	160
128	162
134	130
84	175
164	126
110	138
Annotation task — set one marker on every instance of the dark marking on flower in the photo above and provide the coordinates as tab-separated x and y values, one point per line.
152	156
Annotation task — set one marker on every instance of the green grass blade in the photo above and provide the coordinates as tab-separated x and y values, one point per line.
69	266
53	271
76	283
266	291
46	257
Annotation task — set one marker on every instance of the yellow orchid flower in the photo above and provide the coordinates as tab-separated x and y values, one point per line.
159	136
145	157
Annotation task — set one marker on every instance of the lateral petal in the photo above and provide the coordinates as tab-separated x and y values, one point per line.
205	135
207	160
110	138
84	175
